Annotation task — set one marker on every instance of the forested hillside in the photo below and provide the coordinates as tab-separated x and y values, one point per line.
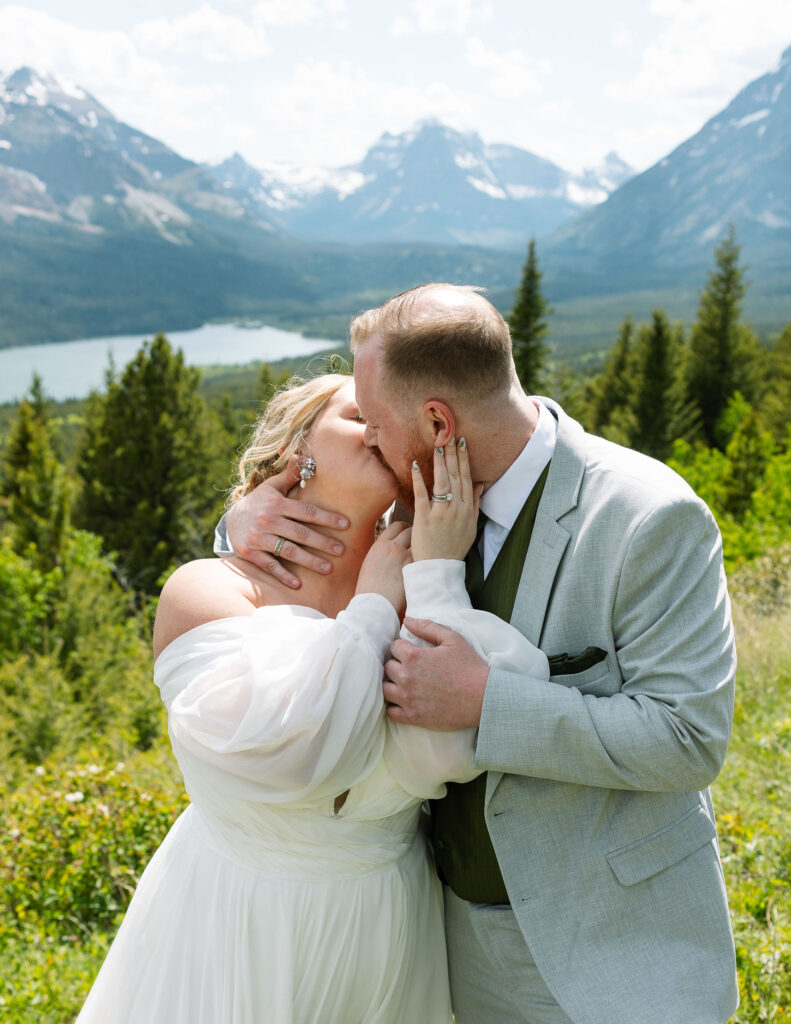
99	500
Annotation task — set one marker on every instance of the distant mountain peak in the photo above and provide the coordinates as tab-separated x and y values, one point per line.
785	57
28	85
430	184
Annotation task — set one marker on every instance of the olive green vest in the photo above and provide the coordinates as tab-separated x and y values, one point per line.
465	856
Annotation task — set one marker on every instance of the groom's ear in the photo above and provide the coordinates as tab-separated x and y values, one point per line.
438	422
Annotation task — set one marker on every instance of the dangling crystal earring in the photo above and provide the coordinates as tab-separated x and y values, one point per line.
307	468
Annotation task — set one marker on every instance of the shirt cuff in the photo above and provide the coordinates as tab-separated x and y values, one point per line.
222	544
372	618
433	584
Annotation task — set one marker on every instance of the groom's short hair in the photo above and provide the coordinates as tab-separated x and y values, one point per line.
464	345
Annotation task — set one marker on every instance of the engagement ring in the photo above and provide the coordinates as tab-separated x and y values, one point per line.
442	497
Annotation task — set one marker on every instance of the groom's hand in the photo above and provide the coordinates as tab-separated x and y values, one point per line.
257	522
439	687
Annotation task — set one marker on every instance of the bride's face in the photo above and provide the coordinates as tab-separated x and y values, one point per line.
347	469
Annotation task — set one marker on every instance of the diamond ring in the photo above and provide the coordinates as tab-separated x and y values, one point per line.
442	497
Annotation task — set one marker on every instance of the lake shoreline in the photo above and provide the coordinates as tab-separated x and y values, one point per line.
70	370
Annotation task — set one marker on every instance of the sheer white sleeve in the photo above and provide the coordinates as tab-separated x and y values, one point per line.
286	704
421	760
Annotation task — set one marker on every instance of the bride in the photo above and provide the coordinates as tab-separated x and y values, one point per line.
297	888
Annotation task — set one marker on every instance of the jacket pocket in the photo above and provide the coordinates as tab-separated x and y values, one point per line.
588	677
652	854
567	665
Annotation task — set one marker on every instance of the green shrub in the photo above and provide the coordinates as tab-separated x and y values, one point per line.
76	839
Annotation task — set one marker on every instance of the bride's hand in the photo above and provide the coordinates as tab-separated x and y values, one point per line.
380	572
445	529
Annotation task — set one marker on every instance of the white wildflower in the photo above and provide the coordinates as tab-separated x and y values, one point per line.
94	769
103	809
14	833
74	798
40	769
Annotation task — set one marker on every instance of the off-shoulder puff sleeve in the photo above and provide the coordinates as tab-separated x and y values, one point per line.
421	760
286	704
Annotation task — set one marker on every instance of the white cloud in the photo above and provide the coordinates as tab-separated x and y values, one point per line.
622	36
296	12
689	70
555	108
137	88
513	74
429	16
205	32
704	47
306	108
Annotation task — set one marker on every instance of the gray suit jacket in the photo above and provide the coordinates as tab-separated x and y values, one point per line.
597	799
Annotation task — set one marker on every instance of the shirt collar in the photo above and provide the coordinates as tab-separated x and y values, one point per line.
503	501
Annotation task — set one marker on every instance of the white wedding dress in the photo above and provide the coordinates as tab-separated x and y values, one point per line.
263	905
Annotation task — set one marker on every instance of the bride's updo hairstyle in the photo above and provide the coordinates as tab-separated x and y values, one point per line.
282	427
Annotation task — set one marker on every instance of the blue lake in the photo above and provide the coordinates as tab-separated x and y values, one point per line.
70	369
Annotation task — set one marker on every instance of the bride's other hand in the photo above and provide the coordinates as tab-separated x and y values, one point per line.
445	529
381	570
258	521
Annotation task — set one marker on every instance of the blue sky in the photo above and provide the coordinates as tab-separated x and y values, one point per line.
317	81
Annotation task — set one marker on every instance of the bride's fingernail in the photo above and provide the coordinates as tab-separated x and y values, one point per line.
463	444
440	450
415	466
452	443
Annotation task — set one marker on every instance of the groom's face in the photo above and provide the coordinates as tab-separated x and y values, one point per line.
391	428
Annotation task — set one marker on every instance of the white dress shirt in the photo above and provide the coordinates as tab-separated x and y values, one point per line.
502	502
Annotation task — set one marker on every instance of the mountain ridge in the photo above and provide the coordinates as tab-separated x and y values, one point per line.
430	184
734	170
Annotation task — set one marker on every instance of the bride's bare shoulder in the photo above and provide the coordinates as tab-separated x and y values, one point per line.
199	592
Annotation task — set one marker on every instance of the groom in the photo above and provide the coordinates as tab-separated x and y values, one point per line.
583	881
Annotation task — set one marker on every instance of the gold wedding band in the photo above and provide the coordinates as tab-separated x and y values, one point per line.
280	542
442	497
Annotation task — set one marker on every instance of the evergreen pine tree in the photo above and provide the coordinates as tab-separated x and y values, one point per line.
748	451
35	488
718	360
528	324
775	407
613	387
654	395
145	464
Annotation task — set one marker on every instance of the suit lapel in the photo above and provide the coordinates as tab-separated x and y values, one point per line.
549	539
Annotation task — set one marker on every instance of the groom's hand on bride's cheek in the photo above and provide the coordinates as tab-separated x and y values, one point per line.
438	687
265	521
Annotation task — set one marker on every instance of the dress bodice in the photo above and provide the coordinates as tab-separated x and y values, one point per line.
274	715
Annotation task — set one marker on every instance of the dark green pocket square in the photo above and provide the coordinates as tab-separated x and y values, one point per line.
566	664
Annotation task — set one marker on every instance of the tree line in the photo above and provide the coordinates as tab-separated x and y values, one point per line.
710	400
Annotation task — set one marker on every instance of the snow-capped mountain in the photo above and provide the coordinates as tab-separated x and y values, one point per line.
735	170
65	158
431	184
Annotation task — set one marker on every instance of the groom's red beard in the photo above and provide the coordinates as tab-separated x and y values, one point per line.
425	460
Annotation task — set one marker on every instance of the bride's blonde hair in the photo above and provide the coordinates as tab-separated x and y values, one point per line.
282	427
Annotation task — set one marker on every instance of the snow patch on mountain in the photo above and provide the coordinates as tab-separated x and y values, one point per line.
759	115
585	196
487	188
